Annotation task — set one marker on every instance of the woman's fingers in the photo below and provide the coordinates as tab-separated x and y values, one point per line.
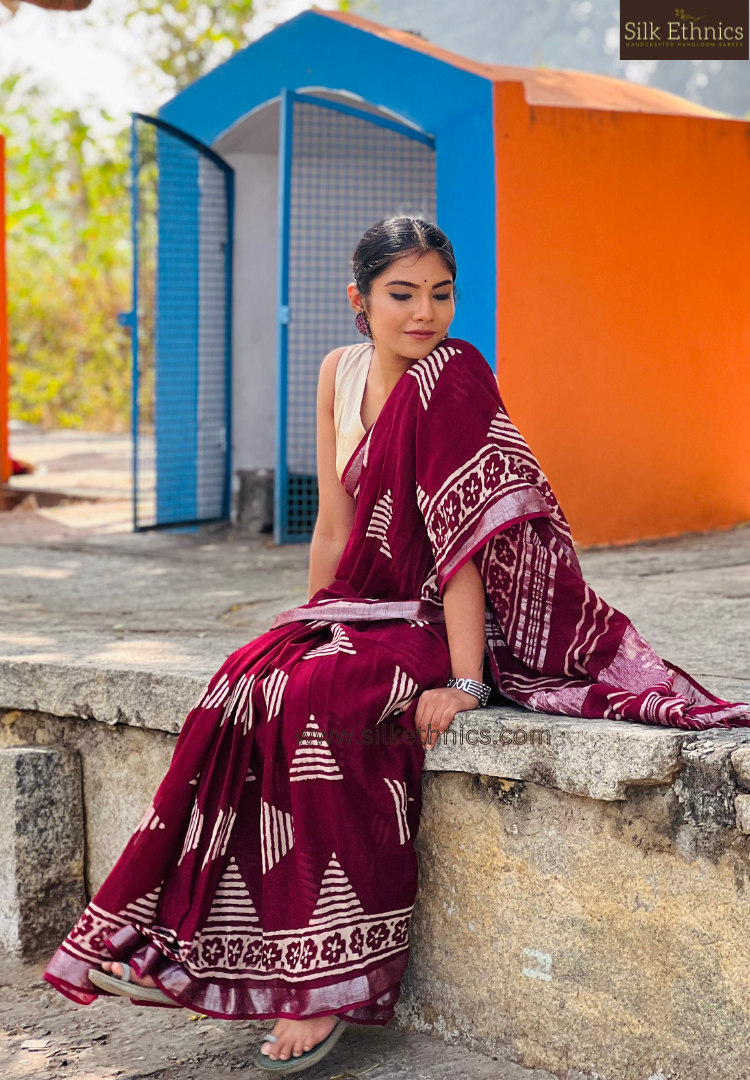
435	712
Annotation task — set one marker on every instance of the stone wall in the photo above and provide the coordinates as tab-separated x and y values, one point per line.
583	903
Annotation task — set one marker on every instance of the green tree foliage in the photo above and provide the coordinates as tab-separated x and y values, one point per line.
68	208
186	38
68	260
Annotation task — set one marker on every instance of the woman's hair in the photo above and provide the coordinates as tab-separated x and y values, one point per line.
389	240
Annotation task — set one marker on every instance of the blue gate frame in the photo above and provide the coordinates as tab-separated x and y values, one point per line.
189	482
295	496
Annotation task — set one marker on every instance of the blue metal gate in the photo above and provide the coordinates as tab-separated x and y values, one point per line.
341	170
181	328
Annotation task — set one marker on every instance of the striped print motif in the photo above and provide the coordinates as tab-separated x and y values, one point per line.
379	522
219	837
273	691
427	370
150	820
339	643
143	911
313	759
398	791
276	835
337	899
403	692
240	703
232	911
193	834
214	698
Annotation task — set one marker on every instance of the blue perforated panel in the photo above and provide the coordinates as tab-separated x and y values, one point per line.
342	171
182	205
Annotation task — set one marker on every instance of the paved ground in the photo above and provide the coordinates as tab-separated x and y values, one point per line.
74	591
113	1040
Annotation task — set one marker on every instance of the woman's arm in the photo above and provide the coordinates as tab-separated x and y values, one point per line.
335	507
463	604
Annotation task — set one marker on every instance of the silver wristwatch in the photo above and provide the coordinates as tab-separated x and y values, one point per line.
471	686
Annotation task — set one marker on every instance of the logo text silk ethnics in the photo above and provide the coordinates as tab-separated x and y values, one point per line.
687	30
654	30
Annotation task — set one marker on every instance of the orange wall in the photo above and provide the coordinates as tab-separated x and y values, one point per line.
4	461
624	312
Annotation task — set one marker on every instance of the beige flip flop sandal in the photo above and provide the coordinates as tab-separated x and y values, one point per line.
304	1061
123	987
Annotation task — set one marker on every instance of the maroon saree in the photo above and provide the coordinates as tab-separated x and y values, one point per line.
274	874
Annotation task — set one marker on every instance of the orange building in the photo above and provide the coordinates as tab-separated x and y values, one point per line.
602	232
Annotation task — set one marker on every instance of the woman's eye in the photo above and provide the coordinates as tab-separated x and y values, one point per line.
441	296
401	295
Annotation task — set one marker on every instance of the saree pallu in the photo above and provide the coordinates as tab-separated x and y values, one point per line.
274	873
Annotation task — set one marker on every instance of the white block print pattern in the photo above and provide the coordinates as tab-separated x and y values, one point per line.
193	834
273	691
142	911
403	692
337	898
339	643
240	704
427	370
398	791
381	518
214	699
276	835
150	820
219	837
232	911
313	759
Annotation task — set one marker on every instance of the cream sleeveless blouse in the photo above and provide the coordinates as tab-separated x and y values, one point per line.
349	389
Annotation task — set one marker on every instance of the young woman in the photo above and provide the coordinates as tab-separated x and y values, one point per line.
274	873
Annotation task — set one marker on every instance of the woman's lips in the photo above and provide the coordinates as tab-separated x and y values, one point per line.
421	335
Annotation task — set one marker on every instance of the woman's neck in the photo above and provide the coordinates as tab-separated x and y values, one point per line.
389	366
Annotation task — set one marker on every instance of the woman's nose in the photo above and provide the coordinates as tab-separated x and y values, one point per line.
424	310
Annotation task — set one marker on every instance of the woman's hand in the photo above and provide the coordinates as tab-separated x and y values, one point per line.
436	709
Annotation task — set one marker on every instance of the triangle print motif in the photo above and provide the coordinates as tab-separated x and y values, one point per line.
339	643
276	835
403	692
232	911
313	759
142	911
382	513
337	899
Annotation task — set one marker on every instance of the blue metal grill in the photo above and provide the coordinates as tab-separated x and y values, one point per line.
342	169
182	230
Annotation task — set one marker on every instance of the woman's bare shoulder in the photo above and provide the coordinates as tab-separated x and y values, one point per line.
327	376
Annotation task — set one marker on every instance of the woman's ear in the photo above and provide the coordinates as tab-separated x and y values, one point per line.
355	297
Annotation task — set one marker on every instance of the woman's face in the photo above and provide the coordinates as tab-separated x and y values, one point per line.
410	306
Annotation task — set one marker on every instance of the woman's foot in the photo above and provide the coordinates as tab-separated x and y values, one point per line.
113	968
295	1037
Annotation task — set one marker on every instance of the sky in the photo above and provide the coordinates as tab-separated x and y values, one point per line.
84	64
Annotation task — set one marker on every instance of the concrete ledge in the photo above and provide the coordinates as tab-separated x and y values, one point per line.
597	758
133	696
